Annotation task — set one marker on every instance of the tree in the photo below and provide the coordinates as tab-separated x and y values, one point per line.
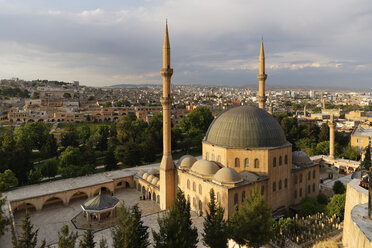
84	133
107	104
4	221
36	133
130	231
7	179
322	148
28	238
336	206
49	149
21	164
50	168
65	238
322	199
175	227
70	139
66	95
110	160
251	223
324	132
339	187
34	176
87	239
367	159
215	230
129	154
70	156
308	206
103	243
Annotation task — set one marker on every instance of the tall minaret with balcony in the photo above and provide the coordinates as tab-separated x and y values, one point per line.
261	76
331	125
167	170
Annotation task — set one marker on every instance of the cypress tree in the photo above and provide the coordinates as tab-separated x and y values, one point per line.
28	238
65	238
215	231
87	241
176	228
103	243
367	159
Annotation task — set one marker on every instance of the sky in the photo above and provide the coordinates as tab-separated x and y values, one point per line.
214	42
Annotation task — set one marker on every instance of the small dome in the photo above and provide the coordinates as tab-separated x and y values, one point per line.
205	168
145	175
149	178
186	162
227	175
155	180
158	184
140	173
153	171
301	158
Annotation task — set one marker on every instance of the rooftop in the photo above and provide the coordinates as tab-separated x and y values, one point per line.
361	131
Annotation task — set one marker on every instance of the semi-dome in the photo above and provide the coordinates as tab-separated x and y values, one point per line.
245	127
145	175
140	173
205	167
186	162
155	180
149	178
153	171
301	158
227	175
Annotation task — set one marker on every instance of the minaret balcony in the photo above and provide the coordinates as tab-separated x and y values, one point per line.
166	72
166	100
261	76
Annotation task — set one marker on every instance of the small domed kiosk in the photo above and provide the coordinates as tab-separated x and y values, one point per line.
100	207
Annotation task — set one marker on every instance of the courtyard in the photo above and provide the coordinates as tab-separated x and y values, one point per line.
50	220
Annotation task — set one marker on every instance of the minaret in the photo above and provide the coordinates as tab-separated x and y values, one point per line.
331	137
261	76
271	108
305	110
167	170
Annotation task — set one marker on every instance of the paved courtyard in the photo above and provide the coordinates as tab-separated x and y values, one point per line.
50	220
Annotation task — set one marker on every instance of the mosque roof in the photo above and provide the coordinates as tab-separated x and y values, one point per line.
301	159
205	167
186	162
100	202
245	127
227	175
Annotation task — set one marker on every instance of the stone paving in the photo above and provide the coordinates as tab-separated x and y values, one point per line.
50	220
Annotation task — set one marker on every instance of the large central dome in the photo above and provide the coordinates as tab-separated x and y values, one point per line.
245	127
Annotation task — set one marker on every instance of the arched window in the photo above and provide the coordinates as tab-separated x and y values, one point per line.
188	184
243	195
313	187
256	163
295	179
237	162
200	189
194	202
274	162
309	175
212	156
274	186
300	192
218	197
286	159
313	174
280	160
295	194
219	158
236	199
285	183
194	186
188	199
262	190
308	189
135	184
207	156
300	177
246	163
200	205
280	184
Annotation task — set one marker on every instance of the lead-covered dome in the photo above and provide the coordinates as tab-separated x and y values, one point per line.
205	168
301	158
186	162
227	175
245	127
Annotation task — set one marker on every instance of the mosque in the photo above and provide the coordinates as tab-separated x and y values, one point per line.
244	148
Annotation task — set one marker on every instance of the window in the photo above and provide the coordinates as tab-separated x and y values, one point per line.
313	187
219	158
313	174
262	190
188	198
300	192
218	197
194	186
194	202
309	175
280	184
207	156
295	194
308	189
243	195
237	162
212	156
200	189
300	177
295	179
188	184
256	163
285	183
236	199
280	160
274	162
246	163
286	159
274	186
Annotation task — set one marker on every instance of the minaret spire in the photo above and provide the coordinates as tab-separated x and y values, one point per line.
332	125
261	76
167	172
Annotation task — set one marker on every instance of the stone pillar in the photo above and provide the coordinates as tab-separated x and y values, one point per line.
332	138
